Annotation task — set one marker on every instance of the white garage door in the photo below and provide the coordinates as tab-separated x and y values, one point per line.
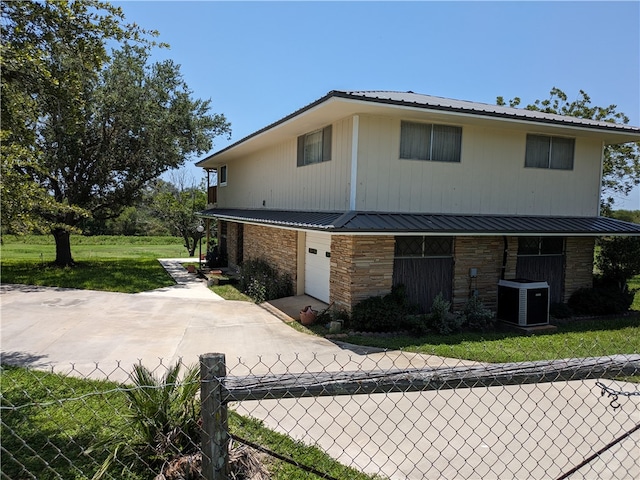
317	264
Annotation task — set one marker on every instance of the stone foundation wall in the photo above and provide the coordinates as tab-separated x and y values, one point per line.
485	254
578	264
232	244
275	245
361	267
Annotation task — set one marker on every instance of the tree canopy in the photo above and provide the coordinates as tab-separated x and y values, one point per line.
621	169
83	131
175	205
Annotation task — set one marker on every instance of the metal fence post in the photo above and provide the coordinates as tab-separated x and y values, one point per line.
215	438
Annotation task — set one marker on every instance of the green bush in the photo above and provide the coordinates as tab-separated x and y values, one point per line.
442	319
333	314
386	313
262	282
163	421
417	324
476	316
619	260
603	299
560	310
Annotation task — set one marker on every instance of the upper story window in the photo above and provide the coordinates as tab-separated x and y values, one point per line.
314	147
223	175
425	141
544	151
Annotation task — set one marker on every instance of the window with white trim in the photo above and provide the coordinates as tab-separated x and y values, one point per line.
431	142
544	151
222	180
314	147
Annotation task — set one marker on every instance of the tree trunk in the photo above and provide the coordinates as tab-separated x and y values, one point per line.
191	247
63	248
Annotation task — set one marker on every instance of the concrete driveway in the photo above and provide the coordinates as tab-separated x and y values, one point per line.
104	333
530	431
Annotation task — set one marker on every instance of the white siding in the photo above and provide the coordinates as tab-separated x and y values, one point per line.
273	177
490	179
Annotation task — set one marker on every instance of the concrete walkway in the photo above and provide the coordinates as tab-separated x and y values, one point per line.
188	285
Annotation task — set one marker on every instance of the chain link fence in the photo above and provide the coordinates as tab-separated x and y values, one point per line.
354	415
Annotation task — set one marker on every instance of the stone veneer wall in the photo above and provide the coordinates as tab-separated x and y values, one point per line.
486	255
361	267
578	264
232	244
275	245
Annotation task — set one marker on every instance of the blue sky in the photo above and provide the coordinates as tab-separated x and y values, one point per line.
260	61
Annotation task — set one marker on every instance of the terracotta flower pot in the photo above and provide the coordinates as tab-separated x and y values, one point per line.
307	316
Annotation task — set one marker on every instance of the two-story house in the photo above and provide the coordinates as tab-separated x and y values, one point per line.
360	191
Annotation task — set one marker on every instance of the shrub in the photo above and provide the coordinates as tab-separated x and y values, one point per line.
333	314
619	260
262	282
560	310
417	324
441	319
477	316
163	420
603	299
382	313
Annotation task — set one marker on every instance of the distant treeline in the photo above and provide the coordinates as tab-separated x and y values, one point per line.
632	216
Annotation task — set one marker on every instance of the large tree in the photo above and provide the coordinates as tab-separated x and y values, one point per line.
96	127
175	204
621	169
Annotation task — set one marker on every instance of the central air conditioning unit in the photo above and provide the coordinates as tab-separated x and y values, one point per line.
523	302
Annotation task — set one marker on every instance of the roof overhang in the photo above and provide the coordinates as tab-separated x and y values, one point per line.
381	223
339	104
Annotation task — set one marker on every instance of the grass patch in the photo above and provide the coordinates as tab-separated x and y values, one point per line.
230	292
48	437
634	284
42	248
586	338
131	275
107	263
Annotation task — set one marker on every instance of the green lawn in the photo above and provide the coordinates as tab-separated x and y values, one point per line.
41	248
61	417
230	292
580	338
116	264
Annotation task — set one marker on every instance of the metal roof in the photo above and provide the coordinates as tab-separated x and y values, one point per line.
432	103
425	223
428	101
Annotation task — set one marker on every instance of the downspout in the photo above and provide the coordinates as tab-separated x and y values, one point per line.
599	199
208	220
354	163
